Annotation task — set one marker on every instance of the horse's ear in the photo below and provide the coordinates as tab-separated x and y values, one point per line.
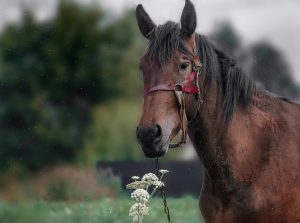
188	19
144	21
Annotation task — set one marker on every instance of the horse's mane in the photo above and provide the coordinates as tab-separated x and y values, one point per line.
164	41
234	87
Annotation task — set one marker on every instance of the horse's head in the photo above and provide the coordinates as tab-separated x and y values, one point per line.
168	60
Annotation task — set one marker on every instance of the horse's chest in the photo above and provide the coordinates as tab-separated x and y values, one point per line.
255	209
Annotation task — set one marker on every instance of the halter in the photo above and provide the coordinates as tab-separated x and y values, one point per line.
189	85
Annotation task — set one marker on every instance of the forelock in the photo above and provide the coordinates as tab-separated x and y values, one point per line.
164	41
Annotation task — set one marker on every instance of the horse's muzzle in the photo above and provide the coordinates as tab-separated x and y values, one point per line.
150	139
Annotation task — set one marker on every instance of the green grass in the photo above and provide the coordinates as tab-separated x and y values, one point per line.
101	211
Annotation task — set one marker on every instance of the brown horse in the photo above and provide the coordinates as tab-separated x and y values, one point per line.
246	138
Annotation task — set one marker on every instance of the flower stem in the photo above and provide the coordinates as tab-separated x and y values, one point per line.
154	191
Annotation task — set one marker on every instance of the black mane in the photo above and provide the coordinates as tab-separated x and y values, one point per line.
233	86
164	41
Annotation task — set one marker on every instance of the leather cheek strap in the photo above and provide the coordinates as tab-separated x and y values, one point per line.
183	119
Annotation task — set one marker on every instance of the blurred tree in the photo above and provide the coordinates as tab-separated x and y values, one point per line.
226	39
112	135
271	70
262	62
52	73
121	46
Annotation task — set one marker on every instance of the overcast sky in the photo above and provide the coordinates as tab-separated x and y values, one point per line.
277	21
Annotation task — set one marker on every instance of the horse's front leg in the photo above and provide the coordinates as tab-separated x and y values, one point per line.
213	211
210	208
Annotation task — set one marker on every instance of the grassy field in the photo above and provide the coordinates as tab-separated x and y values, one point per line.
102	211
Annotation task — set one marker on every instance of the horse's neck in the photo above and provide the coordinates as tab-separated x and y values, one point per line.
208	143
224	150
212	153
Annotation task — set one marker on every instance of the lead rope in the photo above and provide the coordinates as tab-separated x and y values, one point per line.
163	194
183	120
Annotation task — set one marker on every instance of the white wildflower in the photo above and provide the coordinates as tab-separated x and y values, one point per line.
162	171
137	185
140	195
141	192
138	209
150	177
135	177
158	183
133	210
136	218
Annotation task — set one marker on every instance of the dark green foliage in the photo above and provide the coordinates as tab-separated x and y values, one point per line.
271	70
226	38
53	73
112	134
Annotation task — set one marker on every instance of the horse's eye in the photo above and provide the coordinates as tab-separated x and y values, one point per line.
184	65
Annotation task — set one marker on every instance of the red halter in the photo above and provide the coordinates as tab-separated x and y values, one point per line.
189	86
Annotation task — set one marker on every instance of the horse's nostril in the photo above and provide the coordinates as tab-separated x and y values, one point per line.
158	133
158	130
149	136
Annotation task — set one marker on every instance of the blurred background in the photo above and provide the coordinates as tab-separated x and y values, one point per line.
71	91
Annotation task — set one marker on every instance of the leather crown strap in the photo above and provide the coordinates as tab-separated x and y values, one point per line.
187	86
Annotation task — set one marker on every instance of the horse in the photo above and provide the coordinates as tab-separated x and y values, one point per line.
246	138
